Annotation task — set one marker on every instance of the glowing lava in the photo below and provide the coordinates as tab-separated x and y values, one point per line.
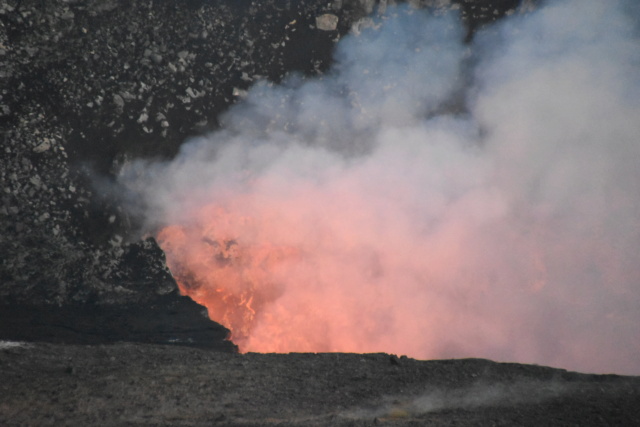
233	281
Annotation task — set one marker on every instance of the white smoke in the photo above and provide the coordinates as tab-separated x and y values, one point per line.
477	395
510	231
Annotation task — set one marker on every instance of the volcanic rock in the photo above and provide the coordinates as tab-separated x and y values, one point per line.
327	22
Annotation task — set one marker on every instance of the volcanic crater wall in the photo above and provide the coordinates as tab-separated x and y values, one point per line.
86	85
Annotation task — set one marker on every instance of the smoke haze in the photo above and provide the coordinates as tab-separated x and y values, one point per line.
480	394
366	211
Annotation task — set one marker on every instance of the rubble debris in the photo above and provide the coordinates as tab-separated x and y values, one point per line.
327	22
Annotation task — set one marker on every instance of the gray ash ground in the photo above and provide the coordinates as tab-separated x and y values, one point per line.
134	384
86	85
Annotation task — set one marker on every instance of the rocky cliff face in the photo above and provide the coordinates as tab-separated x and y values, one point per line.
86	85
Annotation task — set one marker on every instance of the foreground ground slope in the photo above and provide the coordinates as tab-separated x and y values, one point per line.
141	384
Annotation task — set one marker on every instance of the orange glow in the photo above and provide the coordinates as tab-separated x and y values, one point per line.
336	268
231	280
308	266
353	213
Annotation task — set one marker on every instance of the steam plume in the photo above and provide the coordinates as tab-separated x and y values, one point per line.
509	231
480	394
